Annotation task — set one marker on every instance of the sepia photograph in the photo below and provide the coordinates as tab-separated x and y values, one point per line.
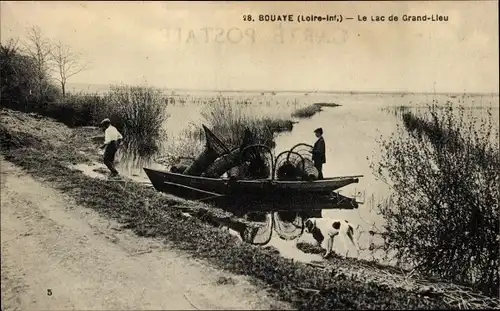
250	155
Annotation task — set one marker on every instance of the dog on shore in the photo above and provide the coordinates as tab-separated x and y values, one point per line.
324	231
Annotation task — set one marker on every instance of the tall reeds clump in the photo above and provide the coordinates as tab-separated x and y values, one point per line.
228	120
443	216
138	113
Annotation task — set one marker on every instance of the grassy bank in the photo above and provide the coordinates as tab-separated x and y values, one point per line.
305	286
311	110
444	167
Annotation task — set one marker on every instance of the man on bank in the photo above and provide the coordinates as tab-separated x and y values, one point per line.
318	152
112	140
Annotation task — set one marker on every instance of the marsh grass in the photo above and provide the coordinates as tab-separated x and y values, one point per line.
189	143
311	110
396	111
444	169
306	112
229	119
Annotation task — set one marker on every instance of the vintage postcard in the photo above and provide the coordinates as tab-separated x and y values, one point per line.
249	155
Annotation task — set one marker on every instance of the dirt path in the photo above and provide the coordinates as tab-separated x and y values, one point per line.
88	262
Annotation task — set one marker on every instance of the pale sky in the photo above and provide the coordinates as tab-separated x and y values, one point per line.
138	43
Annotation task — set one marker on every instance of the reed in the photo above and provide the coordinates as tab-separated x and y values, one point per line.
309	111
306	112
229	119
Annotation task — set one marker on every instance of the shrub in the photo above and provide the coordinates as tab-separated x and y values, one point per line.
76	109
442	217
139	114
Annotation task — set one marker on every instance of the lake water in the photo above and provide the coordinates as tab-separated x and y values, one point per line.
350	131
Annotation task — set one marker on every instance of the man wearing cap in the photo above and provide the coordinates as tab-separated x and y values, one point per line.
318	152
112	140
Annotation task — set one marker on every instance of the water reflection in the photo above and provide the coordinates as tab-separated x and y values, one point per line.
286	233
286	225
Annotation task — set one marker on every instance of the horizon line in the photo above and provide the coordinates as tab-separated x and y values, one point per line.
300	91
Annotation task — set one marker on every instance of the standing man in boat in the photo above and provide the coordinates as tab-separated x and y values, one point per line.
318	152
112	140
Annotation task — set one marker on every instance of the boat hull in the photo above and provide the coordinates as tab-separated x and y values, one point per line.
252	192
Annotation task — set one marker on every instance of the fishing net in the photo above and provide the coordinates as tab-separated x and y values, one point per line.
288	225
238	172
230	160
289	166
214	148
257	162
181	165
296	164
310	171
304	150
214	142
223	164
178	168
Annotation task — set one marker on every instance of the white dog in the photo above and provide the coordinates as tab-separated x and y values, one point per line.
324	230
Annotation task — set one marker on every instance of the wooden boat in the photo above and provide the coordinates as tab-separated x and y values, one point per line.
264	192
162	181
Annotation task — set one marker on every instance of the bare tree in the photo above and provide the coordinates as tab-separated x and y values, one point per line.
39	49
68	63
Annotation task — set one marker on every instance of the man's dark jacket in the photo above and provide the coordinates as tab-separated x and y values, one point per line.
318	152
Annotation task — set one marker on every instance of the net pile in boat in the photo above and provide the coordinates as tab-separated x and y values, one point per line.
304	150
182	164
223	164
231	160
214	148
310	171
214	142
257	162
289	166
296	164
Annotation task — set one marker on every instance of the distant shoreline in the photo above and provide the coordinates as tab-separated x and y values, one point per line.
103	87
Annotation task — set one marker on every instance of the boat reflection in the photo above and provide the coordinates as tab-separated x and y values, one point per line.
259	219
286	224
